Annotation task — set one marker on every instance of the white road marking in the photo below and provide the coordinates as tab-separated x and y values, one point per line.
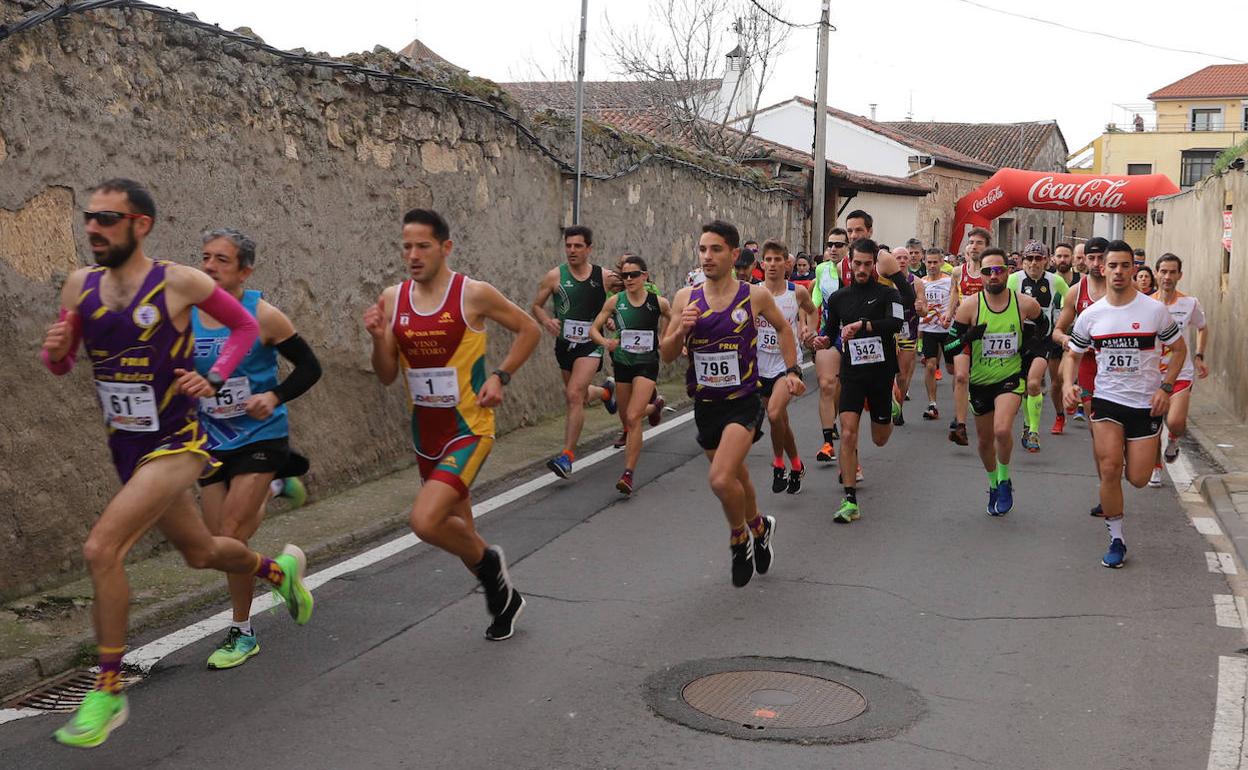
1226	749
1230	610
1180	471
1206	525
1221	563
10	715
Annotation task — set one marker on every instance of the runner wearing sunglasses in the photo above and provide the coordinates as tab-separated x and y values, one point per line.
430	328
579	289
133	314
1049	290
640	316
967	283
716	324
993	329
828	362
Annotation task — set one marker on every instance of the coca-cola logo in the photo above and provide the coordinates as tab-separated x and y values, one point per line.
994	195
1096	193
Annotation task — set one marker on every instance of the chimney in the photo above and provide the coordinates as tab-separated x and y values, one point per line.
872	106
736	91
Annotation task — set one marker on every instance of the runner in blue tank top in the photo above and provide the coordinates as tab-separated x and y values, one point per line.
716	325
246	423
133	313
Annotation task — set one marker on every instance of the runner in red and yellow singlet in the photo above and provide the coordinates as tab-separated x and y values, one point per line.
967	282
431	329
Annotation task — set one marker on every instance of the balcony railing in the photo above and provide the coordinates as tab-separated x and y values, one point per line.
1177	125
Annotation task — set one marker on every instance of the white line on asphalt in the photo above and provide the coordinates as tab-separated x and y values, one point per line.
1226	743
1206	525
1230	610
11	715
1221	563
1180	471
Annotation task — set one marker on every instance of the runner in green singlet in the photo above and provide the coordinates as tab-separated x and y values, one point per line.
996	326
639	316
579	289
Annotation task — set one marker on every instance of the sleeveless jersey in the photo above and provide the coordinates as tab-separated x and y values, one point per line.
577	304
443	362
770	362
722	356
223	417
1049	291
937	295
997	356
1187	313
827	281
968	284
133	354
638	328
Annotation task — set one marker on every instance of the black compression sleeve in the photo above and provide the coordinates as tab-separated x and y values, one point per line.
904	288
306	372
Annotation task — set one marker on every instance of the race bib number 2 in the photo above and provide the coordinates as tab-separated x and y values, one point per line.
866	350
129	406
436	387
717	370
637	340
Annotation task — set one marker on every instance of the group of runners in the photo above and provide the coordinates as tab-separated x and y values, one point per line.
184	362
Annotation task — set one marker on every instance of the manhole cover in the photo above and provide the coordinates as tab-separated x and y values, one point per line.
783	699
774	699
65	693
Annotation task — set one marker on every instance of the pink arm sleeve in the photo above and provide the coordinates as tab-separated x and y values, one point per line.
243	329
67	363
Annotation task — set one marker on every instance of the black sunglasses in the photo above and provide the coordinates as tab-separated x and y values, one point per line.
988	270
632	274
837	245
107	218
1033	257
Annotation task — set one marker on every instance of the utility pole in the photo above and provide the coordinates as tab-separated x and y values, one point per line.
580	115
820	171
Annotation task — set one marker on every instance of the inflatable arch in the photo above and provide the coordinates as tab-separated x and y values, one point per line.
1015	188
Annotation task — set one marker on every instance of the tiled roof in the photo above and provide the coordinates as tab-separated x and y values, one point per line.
996	144
1216	80
560	95
943	154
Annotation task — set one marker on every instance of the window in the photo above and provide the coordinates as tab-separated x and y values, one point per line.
1136	169
1207	119
1196	165
1245	123
936	232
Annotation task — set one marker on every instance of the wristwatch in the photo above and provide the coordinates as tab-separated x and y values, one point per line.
1168	387
794	369
215	379
503	376
1201	356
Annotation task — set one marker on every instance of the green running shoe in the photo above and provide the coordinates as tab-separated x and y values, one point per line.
846	513
235	650
294	490
297	597
100	713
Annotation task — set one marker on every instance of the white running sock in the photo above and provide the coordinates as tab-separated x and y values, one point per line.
276	486
1114	526
244	626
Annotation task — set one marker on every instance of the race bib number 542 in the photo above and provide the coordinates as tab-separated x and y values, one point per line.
866	350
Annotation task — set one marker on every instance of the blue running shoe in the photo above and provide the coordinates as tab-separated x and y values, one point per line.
560	465
1005	497
610	404
992	501
1116	554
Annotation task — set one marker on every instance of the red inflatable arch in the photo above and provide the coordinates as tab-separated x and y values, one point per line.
1013	187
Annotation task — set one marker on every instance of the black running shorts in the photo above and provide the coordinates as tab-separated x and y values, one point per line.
272	456
712	416
875	393
1136	423
983	398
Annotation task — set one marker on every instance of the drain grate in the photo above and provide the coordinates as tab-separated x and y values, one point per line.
783	699
774	699
64	694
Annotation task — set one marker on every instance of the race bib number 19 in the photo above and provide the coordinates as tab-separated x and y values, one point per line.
576	332
866	350
437	387
129	406
717	370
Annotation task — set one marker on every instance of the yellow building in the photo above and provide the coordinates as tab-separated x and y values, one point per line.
1194	120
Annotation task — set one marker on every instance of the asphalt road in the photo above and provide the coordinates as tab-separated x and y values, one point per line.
1025	651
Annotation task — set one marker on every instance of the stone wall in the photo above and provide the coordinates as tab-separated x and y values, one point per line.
318	165
936	208
1189	224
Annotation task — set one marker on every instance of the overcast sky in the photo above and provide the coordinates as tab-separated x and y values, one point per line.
957	61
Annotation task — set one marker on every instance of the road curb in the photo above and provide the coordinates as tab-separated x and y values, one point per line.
1214	489
27	672
1210	447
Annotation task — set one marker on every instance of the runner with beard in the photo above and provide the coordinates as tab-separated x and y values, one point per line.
966	283
1188	314
1063	263
133	314
1049	290
828	362
865	316
996	328
907	338
1127	330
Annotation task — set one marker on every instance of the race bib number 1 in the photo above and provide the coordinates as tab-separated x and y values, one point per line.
999	345
637	340
129	406
229	401
717	370
437	387
576	332
866	350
